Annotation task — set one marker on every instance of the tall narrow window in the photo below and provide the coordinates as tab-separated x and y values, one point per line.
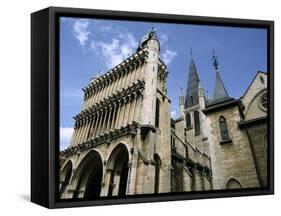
223	128
188	120
157	113
196	123
191	100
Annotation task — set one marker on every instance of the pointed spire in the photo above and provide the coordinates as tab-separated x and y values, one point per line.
191	98
220	93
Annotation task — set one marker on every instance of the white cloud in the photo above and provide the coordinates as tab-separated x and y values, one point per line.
174	114
65	137
81	31
105	28
168	56
118	49
163	38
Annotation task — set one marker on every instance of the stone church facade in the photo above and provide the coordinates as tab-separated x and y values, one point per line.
125	141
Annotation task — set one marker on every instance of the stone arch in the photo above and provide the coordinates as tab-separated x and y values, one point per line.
117	166
65	175
158	164
232	183
87	179
258	94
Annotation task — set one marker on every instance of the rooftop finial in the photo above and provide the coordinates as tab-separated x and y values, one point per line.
190	51
153	30
181	91
215	60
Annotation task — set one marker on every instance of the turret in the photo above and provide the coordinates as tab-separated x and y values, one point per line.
181	101
151	44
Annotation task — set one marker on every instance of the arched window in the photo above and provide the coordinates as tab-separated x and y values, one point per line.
196	123
157	113
188	120
223	128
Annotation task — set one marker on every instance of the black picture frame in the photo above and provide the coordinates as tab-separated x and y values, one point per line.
45	104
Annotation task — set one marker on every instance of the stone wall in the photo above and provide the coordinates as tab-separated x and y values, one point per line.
233	159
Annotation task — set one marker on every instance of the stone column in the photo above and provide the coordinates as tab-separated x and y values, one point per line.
127	76
105	118
82	131
106	182
137	109
115	82
76	134
99	94
79	134
86	102
120	81
96	124
93	125
73	136
121	116
88	128
109	120
132	111
132	176
100	123
97	91
198	182
126	113
130	71
112	123
108	92
118	114
102	92
108	85
116	182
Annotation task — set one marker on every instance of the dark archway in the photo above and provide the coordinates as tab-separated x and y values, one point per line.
89	177
157	173
118	163
233	184
65	177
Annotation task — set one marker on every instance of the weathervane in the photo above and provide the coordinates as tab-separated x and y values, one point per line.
215	60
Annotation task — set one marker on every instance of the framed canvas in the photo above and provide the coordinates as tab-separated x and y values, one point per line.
138	107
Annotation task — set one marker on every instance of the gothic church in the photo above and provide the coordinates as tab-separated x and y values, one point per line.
125	141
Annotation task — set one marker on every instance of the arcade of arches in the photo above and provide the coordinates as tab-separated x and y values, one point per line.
87	180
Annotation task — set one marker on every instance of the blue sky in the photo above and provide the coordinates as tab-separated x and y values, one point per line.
92	46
